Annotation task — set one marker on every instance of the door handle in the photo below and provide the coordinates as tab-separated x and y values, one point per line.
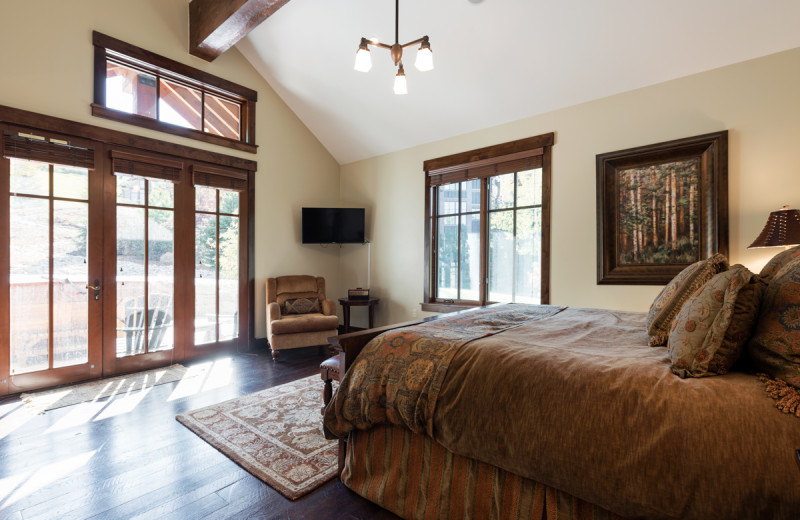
96	289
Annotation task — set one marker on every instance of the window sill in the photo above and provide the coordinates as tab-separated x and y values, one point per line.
153	124
446	307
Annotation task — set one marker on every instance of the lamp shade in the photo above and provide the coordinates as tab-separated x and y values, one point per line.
782	229
424	60
400	85
363	59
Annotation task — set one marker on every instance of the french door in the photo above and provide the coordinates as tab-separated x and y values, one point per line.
116	262
52	221
140	324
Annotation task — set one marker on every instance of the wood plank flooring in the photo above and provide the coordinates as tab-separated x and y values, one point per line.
102	461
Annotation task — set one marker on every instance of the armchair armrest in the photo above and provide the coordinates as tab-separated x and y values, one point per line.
329	307
273	314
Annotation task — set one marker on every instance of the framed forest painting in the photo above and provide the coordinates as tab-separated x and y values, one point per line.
660	208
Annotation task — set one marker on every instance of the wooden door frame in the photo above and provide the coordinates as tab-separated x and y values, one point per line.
103	140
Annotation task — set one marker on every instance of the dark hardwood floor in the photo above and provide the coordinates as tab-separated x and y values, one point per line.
125	459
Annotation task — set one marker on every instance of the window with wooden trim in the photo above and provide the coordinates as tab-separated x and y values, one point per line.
139	87
488	226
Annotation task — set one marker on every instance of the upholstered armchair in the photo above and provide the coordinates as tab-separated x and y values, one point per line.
298	313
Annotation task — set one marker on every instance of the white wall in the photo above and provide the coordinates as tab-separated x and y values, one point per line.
48	68
756	101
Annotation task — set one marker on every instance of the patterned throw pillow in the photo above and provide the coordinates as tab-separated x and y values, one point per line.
775	346
710	331
774	265
301	306
672	297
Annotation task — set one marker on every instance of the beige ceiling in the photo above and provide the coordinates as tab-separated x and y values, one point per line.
495	60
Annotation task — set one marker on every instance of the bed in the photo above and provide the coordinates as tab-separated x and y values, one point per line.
520	411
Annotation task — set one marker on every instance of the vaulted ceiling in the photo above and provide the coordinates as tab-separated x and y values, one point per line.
495	60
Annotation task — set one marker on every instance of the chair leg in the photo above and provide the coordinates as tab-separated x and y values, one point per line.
274	355
327	393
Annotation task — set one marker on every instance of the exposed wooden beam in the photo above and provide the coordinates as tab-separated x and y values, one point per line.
216	25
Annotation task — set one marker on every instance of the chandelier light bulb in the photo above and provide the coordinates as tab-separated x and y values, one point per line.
424	60
400	85
363	59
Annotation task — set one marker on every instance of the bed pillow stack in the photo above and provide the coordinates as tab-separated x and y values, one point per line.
714	324
775	345
673	296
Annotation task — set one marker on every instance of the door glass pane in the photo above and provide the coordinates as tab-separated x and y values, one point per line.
501	255
501	191
129	90
161	278
70	277
447	268
228	277
222	117
179	105
161	193
130	189
205	199
29	273
205	279
130	281
470	256
528	266
529	187
71	183
30	178
228	202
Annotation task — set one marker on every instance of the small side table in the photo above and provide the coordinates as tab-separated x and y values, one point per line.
346	303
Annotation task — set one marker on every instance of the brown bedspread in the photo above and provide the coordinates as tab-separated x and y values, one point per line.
398	376
577	401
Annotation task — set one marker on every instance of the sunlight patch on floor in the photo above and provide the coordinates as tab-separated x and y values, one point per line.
123	404
13	418
19	486
203	377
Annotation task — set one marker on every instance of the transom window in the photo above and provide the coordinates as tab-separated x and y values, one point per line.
138	87
488	226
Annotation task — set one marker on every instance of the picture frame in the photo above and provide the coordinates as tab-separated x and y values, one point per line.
660	208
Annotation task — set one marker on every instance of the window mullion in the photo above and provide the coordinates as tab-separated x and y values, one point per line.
484	256
514	243
458	241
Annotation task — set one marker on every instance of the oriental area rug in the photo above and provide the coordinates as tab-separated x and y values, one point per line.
275	434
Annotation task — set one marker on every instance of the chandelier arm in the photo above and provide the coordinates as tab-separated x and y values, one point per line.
379	44
418	40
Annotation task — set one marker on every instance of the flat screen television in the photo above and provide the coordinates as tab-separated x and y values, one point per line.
333	225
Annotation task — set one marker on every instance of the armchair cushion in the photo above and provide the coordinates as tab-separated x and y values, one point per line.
301	306
297	323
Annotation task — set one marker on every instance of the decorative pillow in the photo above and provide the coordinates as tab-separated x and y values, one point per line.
775	346
301	305
672	297
711	329
774	265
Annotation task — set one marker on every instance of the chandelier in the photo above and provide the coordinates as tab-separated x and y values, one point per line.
424	61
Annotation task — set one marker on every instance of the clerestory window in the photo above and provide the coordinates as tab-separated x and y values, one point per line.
139	87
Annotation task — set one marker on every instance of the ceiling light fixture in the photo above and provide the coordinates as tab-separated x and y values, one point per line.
424	61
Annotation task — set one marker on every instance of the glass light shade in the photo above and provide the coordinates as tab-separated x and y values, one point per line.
400	86
363	60
424	60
